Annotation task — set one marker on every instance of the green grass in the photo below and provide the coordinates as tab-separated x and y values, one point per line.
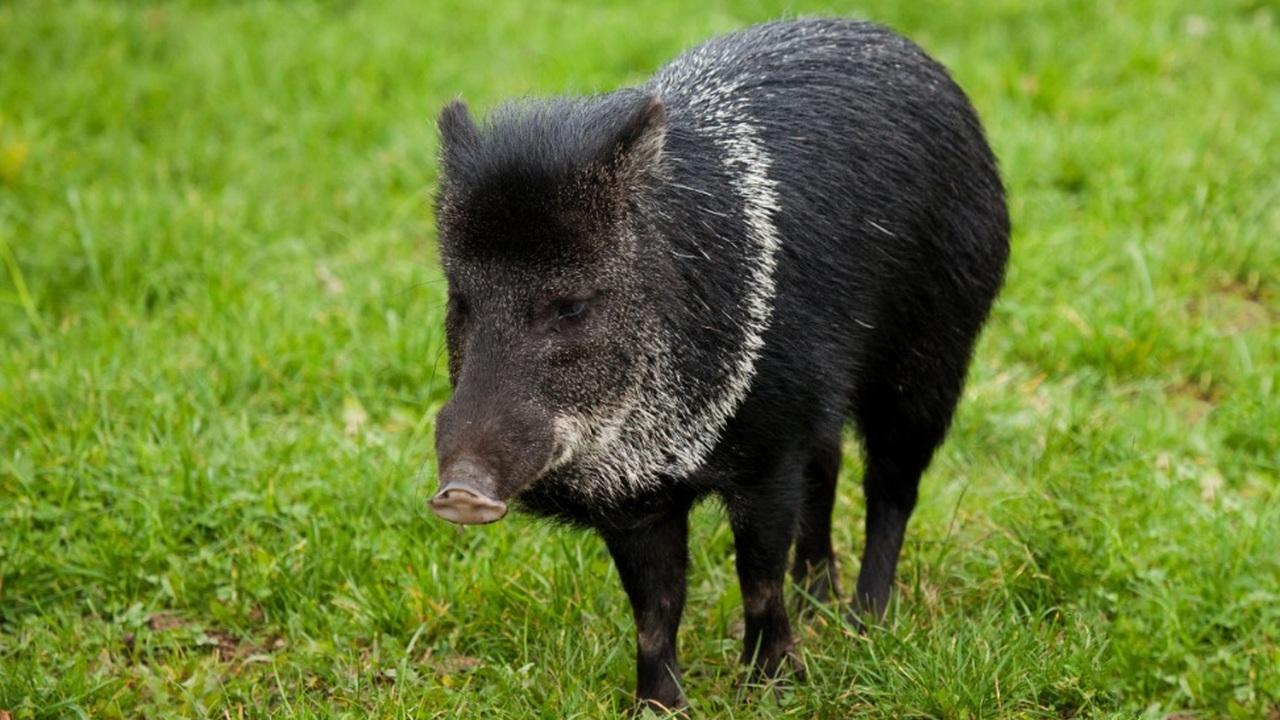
221	353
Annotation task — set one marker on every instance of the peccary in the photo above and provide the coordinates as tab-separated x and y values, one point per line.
689	288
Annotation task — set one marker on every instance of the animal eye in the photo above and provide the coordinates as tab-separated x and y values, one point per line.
570	309
458	306
567	313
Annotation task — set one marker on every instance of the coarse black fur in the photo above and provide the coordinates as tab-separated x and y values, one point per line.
591	243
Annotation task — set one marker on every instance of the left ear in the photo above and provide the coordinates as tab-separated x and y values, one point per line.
636	149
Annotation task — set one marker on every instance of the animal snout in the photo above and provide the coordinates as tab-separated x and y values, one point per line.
467	495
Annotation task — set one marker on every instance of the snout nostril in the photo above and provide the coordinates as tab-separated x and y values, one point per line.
466	507
467	495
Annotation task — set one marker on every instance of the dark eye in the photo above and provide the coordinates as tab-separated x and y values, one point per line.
570	309
458	307
568	312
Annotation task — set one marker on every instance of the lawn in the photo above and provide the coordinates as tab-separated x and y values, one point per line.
221	355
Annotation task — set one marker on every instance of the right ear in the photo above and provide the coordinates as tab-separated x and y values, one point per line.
458	130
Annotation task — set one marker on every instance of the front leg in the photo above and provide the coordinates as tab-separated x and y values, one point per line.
764	522
814	568
652	561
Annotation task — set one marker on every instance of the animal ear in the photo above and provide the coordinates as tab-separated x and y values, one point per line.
458	130
638	142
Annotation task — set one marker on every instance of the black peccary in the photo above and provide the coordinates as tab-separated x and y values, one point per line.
689	288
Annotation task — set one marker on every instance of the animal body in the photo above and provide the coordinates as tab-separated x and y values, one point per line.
690	288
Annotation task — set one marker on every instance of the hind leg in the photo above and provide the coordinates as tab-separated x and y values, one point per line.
814	568
901	428
890	487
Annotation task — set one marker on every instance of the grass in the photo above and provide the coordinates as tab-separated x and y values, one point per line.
221	353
